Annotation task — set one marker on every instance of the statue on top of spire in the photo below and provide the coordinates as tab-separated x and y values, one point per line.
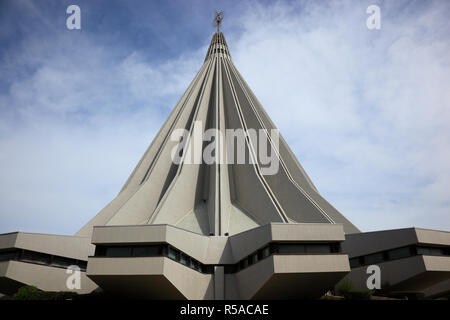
218	19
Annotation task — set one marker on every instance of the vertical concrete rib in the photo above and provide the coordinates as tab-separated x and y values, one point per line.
251	149
217	151
295	201
182	194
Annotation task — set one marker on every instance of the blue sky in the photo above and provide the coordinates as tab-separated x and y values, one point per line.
367	112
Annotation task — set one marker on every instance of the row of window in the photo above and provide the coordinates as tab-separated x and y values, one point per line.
162	250
283	248
41	258
218	50
170	252
398	253
218	39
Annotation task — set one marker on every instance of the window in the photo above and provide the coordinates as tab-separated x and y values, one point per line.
62	262
184	259
265	252
355	263
421	250
374	258
335	247
231	268
148	251
291	248
41	258
318	248
399	253
165	250
436	251
172	253
195	265
118	252
286	248
430	251
100	251
35	257
82	265
207	269
8	255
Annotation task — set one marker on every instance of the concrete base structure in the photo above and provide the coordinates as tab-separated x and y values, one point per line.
411	260
42	260
275	261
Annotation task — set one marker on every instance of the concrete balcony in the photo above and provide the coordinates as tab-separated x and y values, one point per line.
292	276
150	278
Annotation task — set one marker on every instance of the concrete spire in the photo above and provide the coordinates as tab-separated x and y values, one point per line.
218	198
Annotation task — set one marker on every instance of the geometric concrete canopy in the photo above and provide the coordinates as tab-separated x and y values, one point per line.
262	263
219	198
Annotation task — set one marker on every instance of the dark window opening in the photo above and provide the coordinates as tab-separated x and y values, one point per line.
354	263
61	262
398	253
9	255
172	253
35	257
40	258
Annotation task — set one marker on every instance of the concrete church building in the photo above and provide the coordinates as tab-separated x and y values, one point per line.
222	230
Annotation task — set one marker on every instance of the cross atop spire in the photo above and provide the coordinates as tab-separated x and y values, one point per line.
218	19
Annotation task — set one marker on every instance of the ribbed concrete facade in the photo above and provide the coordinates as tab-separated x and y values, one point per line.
219	198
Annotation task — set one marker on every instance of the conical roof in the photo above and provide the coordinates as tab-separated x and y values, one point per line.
219	198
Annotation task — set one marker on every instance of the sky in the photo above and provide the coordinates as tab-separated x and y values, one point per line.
367	112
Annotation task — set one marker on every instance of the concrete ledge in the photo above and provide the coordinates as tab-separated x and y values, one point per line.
65	246
291	276
247	242
364	243
218	250
414	273
208	250
15	274
426	236
150	277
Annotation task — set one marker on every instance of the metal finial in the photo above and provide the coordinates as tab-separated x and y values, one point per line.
218	19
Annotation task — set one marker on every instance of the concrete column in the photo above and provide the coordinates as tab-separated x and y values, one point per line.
219	283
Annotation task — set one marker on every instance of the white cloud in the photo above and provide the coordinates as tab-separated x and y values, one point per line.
74	127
